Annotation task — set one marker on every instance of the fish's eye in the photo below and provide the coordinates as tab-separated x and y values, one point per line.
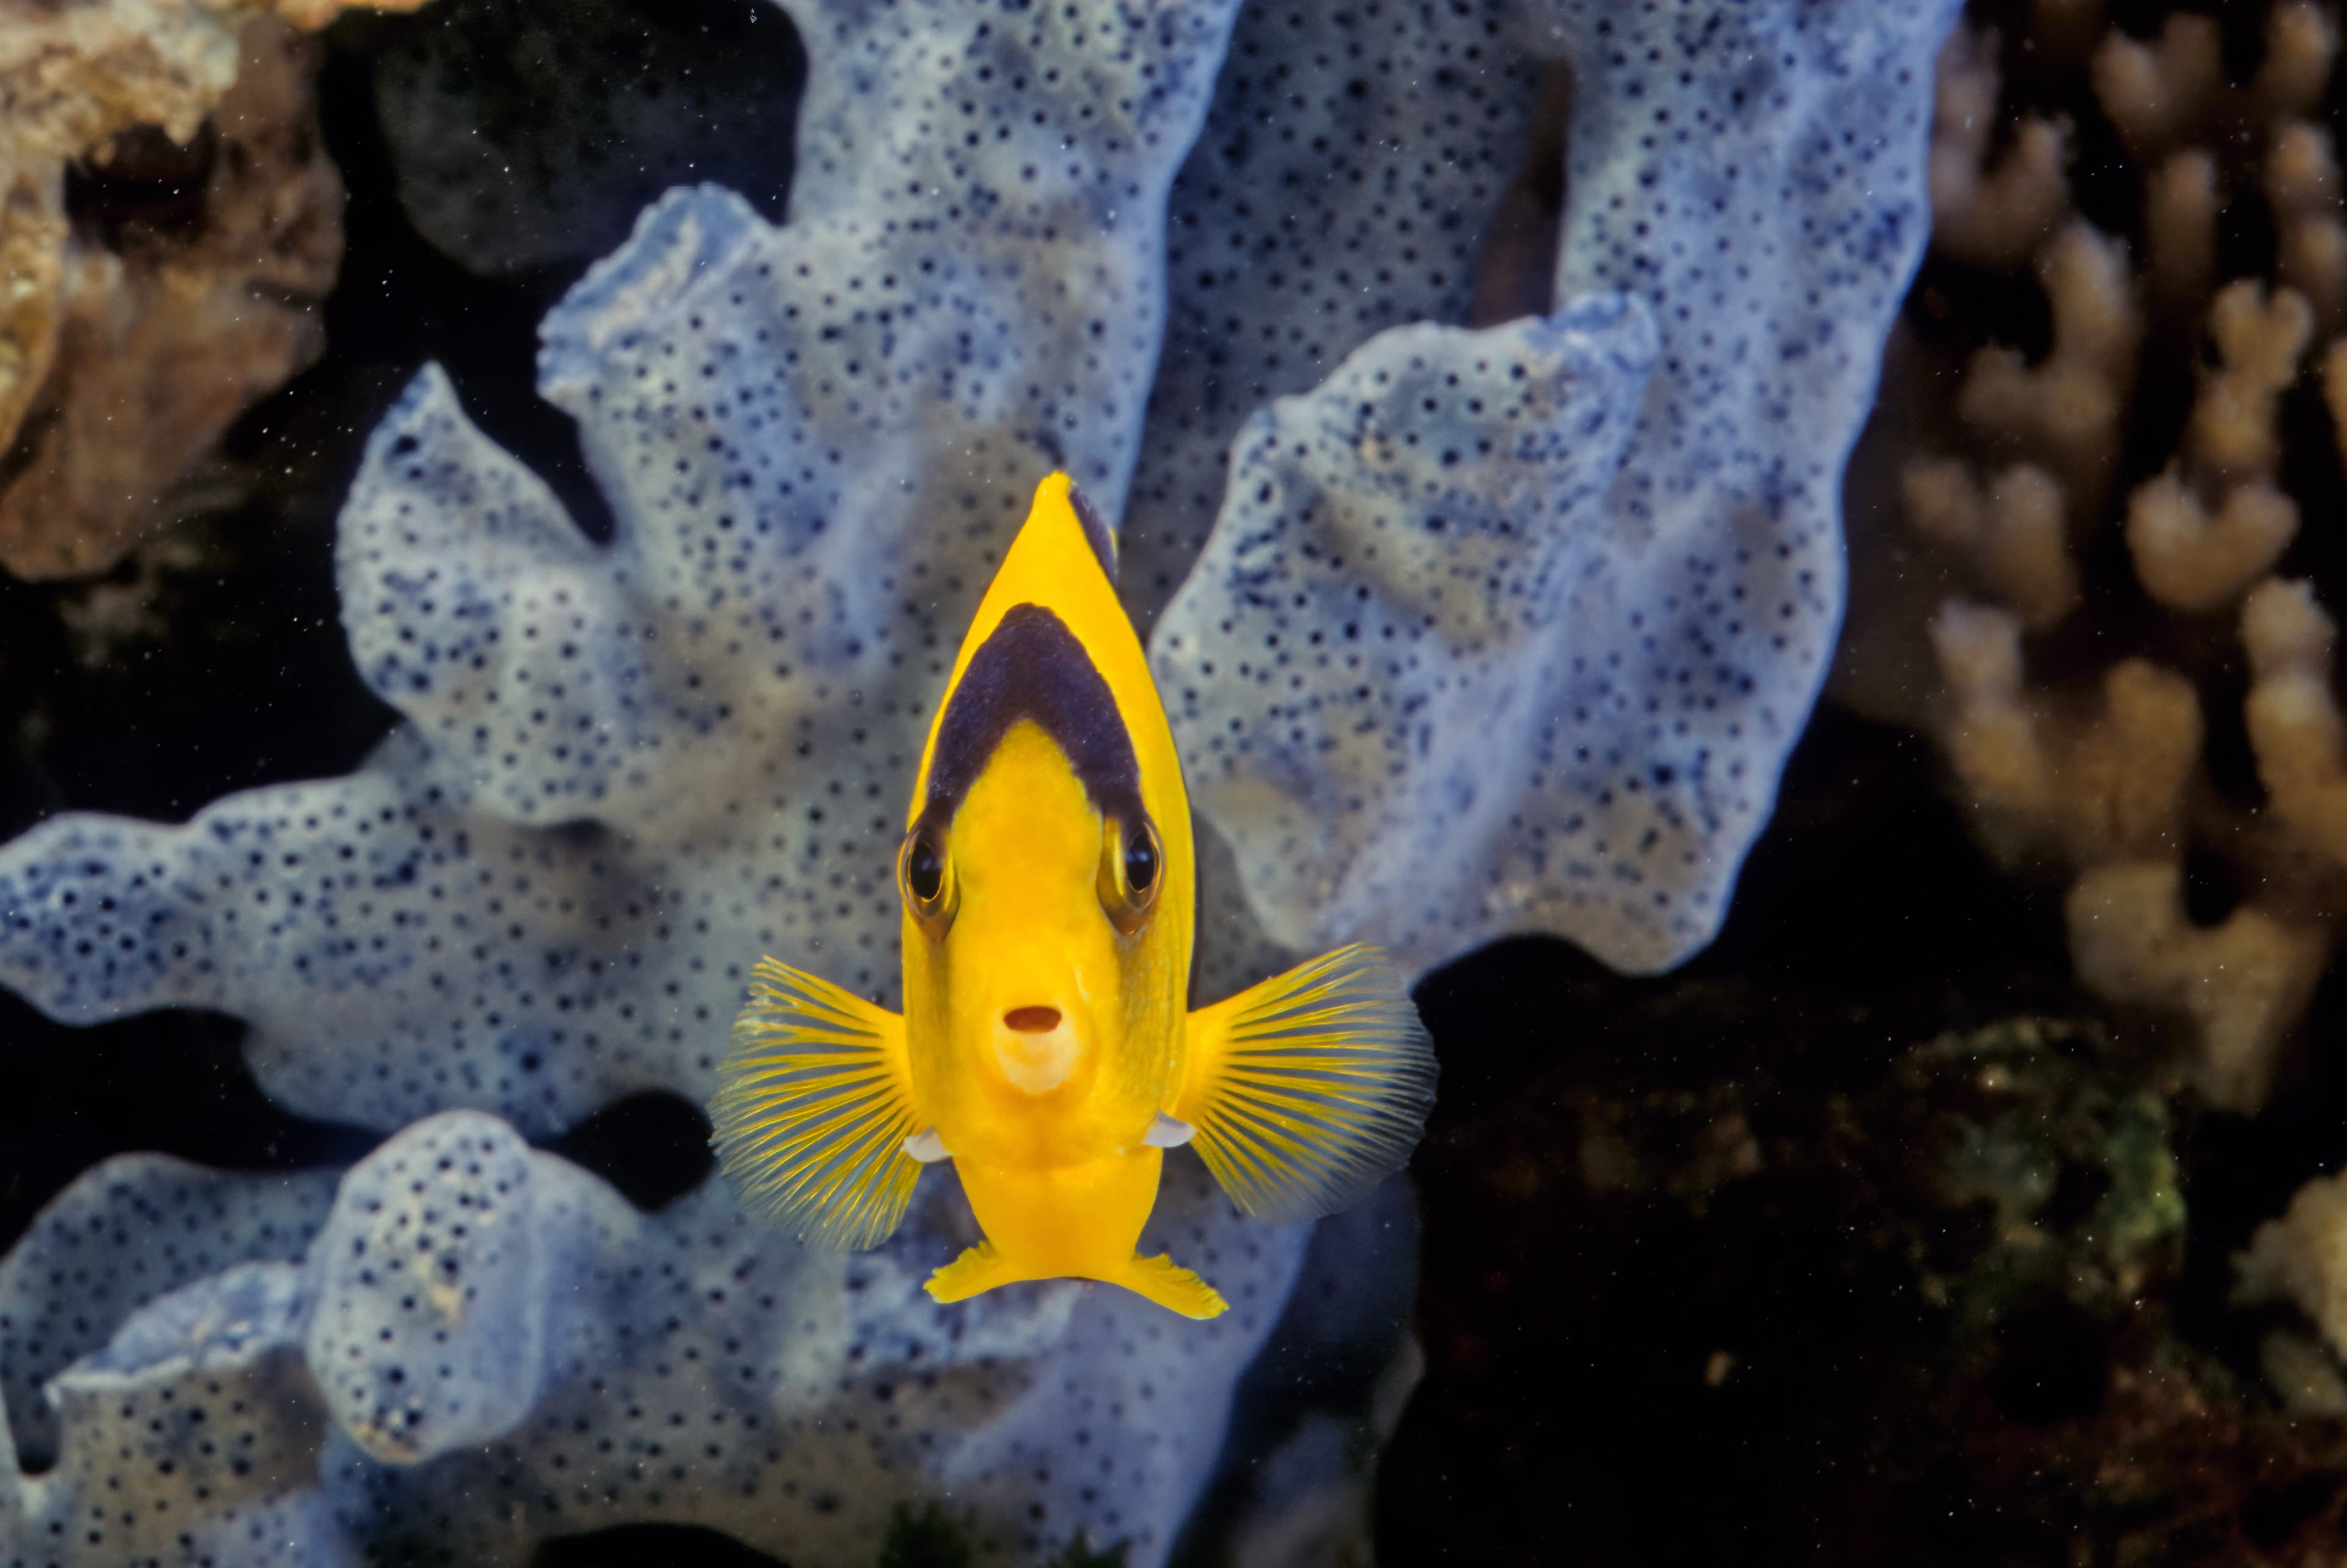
1140	862
1132	859
924	871
925	878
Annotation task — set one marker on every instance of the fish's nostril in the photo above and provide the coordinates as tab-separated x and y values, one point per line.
1032	1020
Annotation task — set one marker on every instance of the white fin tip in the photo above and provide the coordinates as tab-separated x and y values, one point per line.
1167	1134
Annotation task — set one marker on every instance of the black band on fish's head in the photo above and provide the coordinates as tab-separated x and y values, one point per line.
1032	667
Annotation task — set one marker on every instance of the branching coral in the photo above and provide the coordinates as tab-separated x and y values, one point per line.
2103	782
1995	216
2014	527
2098	768
2294	724
2066	410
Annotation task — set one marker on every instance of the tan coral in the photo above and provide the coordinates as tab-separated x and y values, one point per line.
2259	342
1994	217
2334	392
2305	1375
2161	93
31	268
2301	1258
2195	560
75	75
70	77
1992	740
2241	983
166	336
2014	530
2067	409
2087	786
2180	203
2294	725
75	72
2302	45
2302	188
2092	767
311	15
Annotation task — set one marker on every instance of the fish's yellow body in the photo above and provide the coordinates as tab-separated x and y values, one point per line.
1049	881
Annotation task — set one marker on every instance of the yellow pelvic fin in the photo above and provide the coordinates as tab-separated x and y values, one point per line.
814	1104
1175	1288
978	1268
1309	1088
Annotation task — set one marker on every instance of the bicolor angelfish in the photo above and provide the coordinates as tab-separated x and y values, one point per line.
1047	1047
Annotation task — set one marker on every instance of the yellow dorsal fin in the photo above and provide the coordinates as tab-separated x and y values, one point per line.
814	1104
1307	1088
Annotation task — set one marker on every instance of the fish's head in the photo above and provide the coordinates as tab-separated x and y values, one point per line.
1044	955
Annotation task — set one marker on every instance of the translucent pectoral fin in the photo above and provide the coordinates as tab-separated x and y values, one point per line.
815	1103
1307	1088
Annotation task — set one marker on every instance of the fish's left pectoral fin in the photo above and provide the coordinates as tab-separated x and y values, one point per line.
814	1104
1308	1089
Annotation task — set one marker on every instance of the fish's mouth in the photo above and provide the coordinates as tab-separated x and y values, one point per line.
1036	1047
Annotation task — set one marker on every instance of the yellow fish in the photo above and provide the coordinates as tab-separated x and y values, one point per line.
1046	1047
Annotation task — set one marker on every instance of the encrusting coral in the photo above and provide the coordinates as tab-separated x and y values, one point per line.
130	337
2102	770
628	768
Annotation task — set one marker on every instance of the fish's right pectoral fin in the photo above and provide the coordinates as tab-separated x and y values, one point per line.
1308	1089
814	1104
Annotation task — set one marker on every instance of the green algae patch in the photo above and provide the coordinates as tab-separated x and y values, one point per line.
2064	1162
